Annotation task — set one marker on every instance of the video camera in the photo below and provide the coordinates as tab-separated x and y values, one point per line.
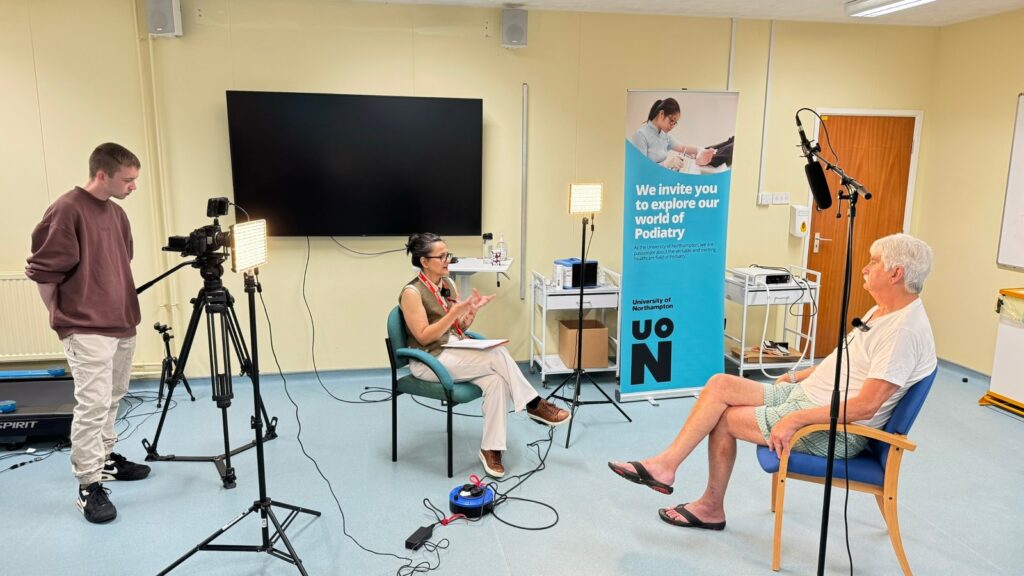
205	239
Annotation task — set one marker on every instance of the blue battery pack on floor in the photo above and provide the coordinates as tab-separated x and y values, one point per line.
8	406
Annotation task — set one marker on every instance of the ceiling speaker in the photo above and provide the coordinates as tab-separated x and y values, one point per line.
163	17
513	28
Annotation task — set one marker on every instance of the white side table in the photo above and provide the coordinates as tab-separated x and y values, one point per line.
544	298
466	267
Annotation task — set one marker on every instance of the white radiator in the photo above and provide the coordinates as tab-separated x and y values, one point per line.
25	333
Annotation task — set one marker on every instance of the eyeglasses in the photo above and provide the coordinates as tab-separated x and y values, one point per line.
447	256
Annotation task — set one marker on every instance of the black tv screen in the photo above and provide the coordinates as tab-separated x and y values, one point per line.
350	165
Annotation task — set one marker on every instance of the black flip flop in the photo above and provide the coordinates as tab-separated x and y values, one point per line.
692	521
641	476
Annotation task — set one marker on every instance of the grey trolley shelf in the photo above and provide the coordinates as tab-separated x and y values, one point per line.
545	298
798	301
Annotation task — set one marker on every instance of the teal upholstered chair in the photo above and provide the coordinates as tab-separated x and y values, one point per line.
876	470
448	391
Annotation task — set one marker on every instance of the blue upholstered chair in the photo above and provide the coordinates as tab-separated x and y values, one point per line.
451	393
875	470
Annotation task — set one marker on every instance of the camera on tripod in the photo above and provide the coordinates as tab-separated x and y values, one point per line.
205	239
245	243
210	246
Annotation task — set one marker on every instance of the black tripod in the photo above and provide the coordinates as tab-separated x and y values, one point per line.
218	304
168	363
265	506
853	191
578	372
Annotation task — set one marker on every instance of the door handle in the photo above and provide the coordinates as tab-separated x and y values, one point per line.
818	240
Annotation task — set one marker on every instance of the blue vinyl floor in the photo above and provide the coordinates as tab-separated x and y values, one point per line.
960	494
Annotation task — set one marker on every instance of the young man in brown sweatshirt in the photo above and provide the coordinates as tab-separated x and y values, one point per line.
81	261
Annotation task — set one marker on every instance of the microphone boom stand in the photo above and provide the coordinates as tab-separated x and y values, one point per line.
853	191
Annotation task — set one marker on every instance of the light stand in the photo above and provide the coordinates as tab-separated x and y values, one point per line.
217	303
265	506
853	191
583	198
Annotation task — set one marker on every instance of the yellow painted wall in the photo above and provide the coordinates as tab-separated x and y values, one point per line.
65	91
967	152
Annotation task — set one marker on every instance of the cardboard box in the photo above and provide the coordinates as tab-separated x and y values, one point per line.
595	343
753	355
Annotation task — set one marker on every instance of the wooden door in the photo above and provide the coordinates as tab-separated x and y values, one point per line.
876	151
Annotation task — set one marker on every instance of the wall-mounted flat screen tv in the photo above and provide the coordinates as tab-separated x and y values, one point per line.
356	165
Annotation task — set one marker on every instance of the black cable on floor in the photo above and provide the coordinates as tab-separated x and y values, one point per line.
134	400
410	567
520	479
36	456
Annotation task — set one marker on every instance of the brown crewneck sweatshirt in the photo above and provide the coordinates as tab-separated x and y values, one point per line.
84	246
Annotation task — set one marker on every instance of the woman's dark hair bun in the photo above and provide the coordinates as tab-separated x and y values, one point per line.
419	245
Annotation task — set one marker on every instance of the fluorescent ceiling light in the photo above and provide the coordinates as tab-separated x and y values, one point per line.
872	8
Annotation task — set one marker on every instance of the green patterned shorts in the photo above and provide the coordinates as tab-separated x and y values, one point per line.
781	399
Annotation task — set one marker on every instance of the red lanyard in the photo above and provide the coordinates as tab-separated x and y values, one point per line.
441	301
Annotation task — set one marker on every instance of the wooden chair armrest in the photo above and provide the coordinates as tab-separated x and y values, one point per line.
859	429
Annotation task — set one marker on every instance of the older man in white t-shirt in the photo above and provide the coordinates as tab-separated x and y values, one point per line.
889	350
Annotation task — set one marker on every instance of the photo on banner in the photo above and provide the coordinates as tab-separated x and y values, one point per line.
679	153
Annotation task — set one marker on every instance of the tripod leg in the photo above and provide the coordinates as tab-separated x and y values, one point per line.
179	371
271	422
188	388
575	404
607	397
233	330
561	385
165	373
151	453
287	543
294	508
203	544
227	474
222	391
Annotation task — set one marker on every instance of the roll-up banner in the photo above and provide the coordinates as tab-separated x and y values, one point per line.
679	149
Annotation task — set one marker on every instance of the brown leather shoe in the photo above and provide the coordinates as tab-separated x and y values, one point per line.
491	459
548	413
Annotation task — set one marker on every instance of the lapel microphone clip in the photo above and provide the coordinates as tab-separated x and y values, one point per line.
860	325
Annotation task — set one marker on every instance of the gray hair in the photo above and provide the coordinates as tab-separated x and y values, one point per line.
909	253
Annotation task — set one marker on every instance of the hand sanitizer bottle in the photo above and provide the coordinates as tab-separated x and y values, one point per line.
502	251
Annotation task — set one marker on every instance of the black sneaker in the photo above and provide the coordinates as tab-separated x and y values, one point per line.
118	467
94	504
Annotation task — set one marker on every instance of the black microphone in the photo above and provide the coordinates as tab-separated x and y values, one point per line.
815	173
860	325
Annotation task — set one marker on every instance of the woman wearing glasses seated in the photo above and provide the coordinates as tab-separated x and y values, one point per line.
654	140
434	314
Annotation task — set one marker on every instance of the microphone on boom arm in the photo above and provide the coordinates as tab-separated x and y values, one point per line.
815	173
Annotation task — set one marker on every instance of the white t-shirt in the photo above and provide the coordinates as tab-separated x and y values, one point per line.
898	348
